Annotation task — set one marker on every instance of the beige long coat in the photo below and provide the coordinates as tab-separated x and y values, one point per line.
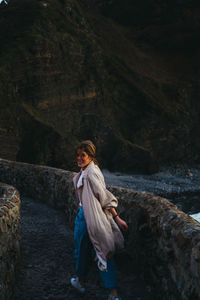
96	200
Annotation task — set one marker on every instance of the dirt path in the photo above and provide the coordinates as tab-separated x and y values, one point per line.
47	261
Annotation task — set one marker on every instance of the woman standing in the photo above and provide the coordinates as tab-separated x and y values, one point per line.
97	222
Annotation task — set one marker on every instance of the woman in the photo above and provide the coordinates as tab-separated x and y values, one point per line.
97	222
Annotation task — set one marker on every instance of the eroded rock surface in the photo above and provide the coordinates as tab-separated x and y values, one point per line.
125	75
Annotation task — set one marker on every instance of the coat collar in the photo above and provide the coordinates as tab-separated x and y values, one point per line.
76	177
89	167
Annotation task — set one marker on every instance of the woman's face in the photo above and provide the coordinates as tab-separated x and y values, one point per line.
83	159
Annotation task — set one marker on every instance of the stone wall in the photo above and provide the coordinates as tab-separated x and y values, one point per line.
49	185
9	239
162	244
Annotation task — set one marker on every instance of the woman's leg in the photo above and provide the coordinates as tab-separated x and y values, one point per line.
109	278
82	251
84	259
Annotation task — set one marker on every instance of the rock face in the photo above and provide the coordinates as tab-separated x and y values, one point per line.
162	242
9	239
122	73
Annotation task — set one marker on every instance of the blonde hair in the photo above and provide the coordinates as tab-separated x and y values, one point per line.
89	148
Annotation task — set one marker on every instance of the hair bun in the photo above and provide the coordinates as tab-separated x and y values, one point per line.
89	148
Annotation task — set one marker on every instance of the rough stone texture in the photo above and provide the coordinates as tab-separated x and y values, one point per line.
50	185
47	261
9	239
70	72
162	242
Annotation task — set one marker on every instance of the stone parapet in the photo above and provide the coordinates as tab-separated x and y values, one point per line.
162	242
49	185
9	239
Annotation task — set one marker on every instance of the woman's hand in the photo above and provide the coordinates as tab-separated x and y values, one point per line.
121	223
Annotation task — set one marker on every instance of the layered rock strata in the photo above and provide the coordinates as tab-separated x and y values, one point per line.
122	73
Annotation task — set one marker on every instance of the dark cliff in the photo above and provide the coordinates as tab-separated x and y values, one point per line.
122	73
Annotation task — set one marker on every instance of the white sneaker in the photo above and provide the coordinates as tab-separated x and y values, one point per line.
76	284
111	297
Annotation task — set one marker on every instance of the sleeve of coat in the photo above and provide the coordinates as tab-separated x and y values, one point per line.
106	198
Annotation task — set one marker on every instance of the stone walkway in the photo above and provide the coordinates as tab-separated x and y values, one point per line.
47	261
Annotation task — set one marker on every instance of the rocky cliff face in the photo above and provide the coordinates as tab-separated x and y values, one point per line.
121	73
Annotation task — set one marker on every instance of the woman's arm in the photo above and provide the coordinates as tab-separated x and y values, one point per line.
122	224
105	197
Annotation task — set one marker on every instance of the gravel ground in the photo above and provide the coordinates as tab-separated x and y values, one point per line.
47	261
178	184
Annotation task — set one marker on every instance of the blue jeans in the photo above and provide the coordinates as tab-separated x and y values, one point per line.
84	251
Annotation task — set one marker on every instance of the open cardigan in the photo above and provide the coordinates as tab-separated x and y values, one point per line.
96	200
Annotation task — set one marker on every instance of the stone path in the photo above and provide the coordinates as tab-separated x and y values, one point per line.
47	261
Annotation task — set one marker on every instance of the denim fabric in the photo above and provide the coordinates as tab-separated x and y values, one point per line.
84	251
83	246
109	278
